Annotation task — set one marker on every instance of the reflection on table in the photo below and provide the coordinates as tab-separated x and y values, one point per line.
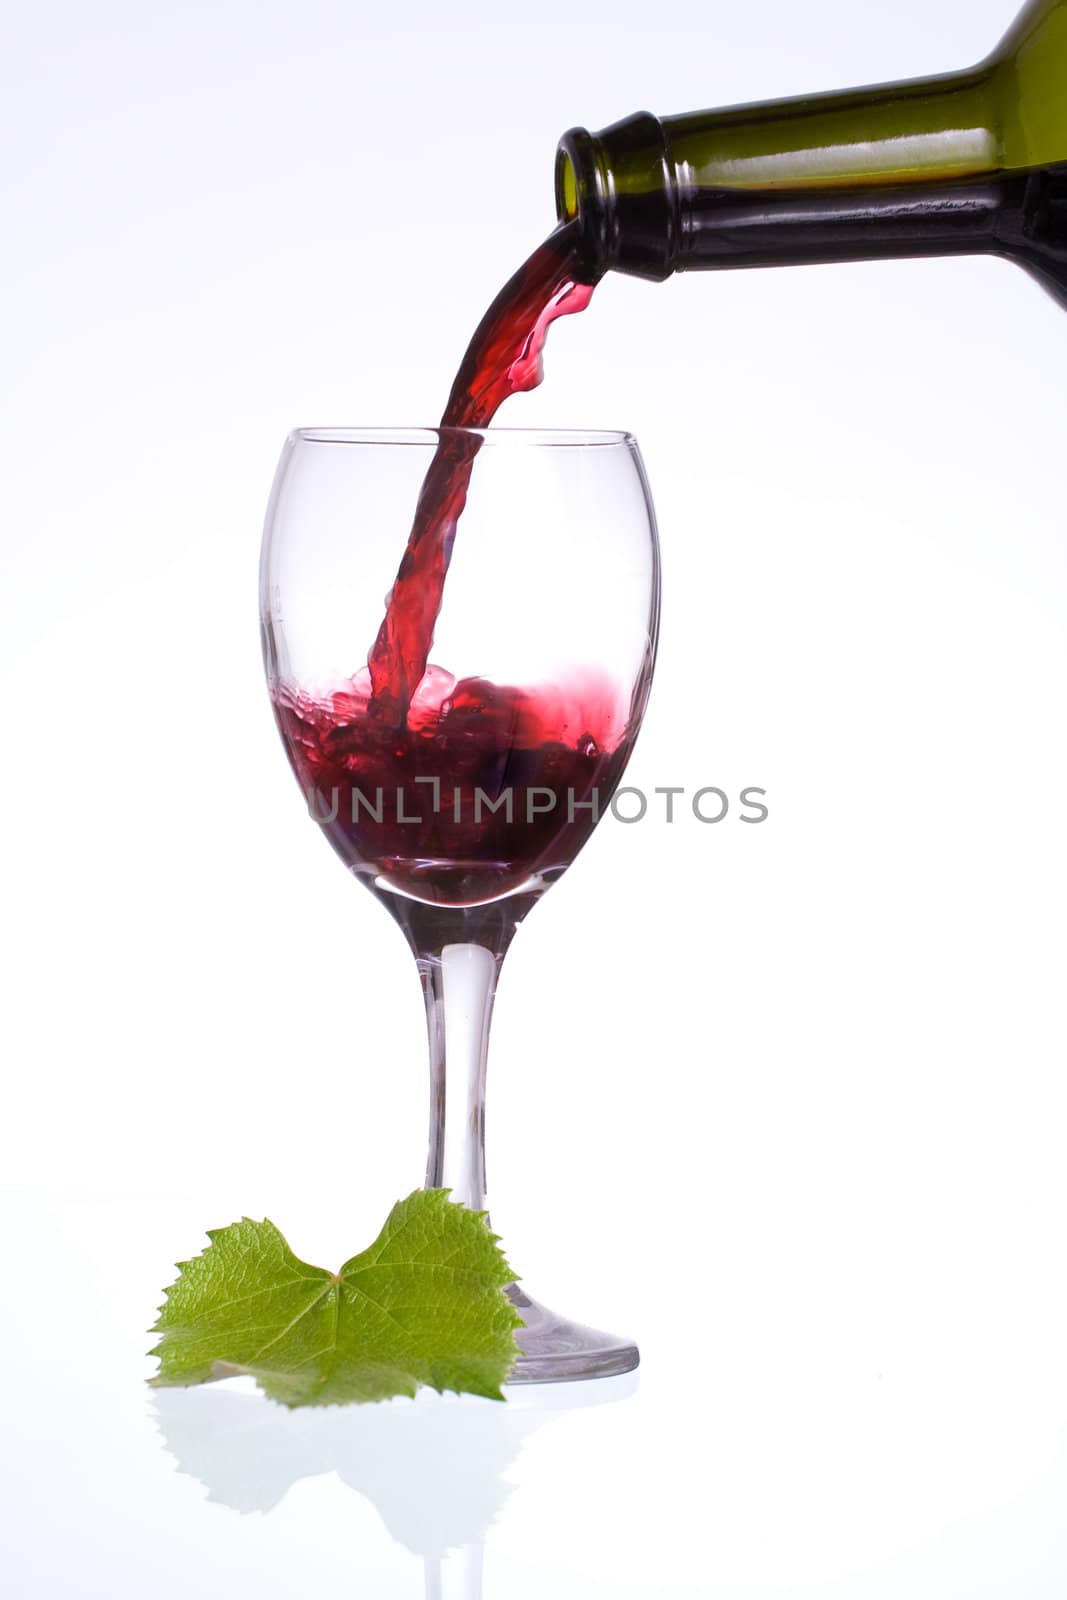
434	1467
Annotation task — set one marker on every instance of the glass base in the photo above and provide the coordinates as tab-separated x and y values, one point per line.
555	1350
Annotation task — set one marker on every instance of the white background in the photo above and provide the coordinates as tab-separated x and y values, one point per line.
786	1102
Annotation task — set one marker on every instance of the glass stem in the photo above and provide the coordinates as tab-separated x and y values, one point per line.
459	984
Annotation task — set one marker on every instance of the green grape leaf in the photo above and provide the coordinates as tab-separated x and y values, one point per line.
424	1305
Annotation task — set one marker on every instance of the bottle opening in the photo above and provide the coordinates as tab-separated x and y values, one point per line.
566	187
619	185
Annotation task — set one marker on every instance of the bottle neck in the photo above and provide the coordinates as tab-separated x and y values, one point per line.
1018	215
969	161
1022	216
642	186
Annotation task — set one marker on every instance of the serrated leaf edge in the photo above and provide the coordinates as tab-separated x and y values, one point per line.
213	1233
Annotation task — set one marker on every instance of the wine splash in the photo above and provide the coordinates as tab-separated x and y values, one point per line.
484	790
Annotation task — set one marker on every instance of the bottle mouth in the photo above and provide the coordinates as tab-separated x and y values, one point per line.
584	193
620	188
566	184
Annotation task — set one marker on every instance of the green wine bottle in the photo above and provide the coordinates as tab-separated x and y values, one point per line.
972	162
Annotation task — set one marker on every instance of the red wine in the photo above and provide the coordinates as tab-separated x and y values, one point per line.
482	789
503	358
451	792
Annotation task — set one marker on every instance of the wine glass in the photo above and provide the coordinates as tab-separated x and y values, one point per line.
459	806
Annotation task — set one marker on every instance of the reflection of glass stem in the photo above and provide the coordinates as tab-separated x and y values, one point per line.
434	1469
455	1576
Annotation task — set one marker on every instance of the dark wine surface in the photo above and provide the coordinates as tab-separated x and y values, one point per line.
503	358
482	789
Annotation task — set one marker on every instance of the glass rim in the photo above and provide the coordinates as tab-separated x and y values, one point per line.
545	438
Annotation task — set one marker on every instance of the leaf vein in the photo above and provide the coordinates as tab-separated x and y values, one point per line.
291	1325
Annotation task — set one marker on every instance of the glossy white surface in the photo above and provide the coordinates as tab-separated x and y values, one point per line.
776	1474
